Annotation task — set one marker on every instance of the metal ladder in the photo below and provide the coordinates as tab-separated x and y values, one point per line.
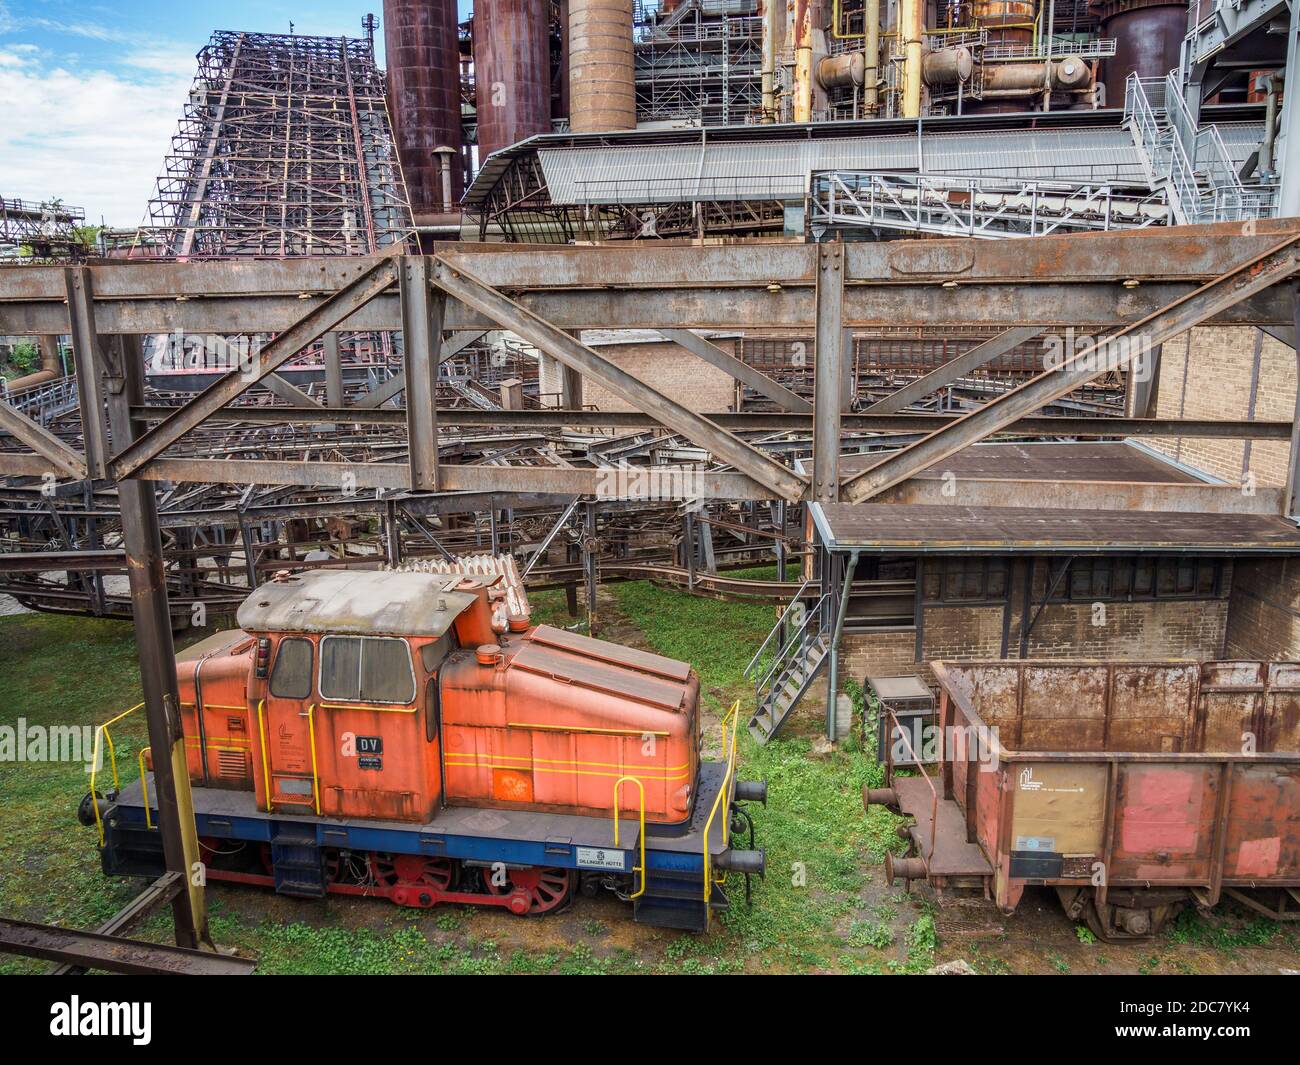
800	644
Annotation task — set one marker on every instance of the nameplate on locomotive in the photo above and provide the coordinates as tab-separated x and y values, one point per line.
599	858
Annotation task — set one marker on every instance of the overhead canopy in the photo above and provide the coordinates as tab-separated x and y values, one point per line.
936	529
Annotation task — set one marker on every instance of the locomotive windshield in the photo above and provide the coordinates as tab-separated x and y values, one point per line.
366	669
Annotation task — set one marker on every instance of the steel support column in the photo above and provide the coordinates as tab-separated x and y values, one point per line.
829	372
142	539
86	356
333	371
422	311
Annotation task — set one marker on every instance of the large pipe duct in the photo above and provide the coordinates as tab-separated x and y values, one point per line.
911	27
771	45
51	365
1065	74
948	66
512	72
420	40
803	64
602	80
1148	38
871	51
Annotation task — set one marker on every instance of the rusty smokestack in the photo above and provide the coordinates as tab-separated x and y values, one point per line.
512	71
602	84
420	41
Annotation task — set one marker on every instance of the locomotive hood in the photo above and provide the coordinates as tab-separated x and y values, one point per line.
553	719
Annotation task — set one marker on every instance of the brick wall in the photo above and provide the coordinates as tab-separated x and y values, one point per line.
671	369
1228	372
1263	619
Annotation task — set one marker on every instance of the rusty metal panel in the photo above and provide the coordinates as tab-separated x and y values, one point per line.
1060	810
1149	708
1063	708
1165	821
1263	823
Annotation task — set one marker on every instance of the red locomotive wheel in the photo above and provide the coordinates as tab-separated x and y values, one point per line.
544	890
415	870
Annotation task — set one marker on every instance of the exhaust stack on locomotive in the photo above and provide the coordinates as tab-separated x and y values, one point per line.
377	733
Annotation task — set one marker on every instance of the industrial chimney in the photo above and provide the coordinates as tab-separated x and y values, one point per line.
424	94
512	71
602	83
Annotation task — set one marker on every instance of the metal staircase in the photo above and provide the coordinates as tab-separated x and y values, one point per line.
1190	163
788	663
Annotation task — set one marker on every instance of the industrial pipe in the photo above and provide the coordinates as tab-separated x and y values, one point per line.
51	365
832	695
602	83
948	66
843	70
803	73
871	51
910	20
770	48
1068	73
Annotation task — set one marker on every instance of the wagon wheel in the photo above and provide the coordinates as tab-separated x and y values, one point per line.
548	890
389	870
1102	926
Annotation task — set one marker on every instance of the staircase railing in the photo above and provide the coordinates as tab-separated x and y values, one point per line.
795	650
781	622
1193	163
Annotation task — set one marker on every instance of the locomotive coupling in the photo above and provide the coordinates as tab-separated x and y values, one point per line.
903	869
743	861
879	797
751	791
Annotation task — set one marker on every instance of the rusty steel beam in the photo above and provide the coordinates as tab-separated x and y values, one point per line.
50	450
82	560
828	398
395	476
422	310
113	954
978	356
726	447
766	421
310	326
1272	268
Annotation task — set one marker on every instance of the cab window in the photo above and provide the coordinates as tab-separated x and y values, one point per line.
291	676
432	654
366	669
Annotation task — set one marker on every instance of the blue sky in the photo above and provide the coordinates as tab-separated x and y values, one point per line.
90	93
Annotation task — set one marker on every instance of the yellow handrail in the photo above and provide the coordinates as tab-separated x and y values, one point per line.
315	780
102	730
144	788
729	749
617	793
261	742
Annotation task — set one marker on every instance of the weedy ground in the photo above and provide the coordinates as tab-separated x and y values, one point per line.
823	906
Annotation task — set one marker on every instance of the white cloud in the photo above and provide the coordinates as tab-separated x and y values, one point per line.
91	138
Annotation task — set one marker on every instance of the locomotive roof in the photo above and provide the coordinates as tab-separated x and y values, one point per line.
362	603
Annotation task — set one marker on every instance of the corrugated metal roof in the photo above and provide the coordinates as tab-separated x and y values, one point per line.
780	169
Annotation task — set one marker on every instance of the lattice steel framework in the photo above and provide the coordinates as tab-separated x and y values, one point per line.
284	149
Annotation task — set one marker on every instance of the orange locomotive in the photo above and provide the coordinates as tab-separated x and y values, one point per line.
380	734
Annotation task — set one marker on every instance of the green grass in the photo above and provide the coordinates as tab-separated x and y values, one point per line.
58	671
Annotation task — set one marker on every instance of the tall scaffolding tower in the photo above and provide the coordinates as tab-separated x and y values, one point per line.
284	149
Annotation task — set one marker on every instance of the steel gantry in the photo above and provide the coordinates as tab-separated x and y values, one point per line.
1152	284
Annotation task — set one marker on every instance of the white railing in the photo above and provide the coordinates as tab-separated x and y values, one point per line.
1191	162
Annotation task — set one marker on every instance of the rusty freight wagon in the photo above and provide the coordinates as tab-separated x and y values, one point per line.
1132	788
